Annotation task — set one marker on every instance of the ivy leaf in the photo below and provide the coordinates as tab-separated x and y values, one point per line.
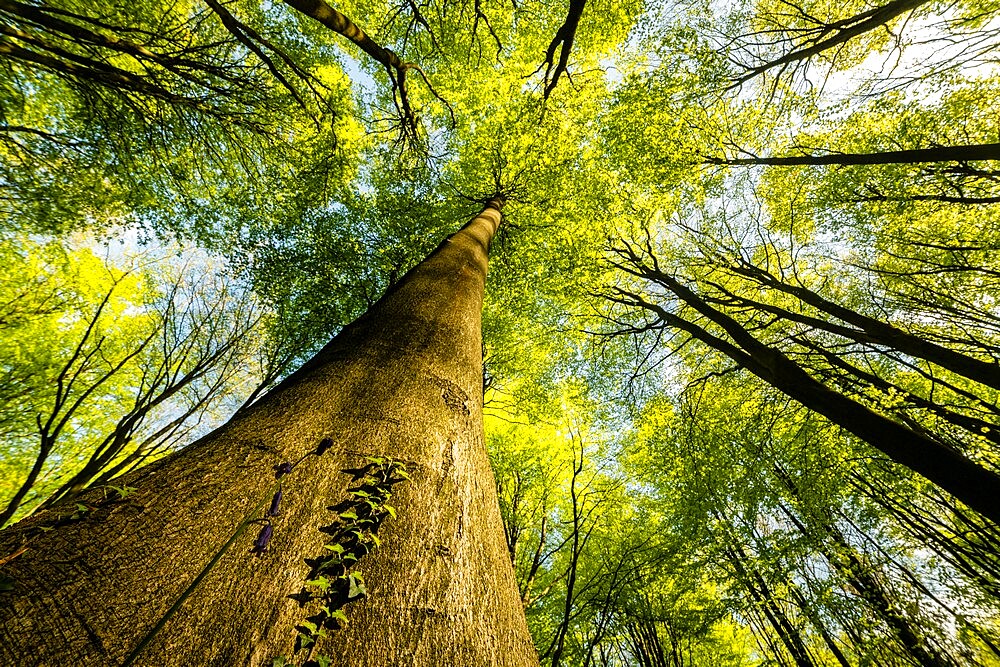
330	563
323	660
356	586
335	548
349	514
339	615
390	509
279	661
321	583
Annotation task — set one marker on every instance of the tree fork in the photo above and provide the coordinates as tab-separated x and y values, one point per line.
402	381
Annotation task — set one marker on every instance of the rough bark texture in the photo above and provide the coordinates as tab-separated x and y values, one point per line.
404	381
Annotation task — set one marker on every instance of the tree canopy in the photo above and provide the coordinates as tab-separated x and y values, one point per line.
741	333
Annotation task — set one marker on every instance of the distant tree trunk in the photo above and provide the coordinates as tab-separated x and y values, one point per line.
967	480
818	523
822	36
404	380
764	598
912	156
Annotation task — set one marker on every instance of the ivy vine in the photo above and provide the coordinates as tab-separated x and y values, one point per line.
332	583
335	580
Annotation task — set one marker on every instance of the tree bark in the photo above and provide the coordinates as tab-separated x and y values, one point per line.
404	380
970	153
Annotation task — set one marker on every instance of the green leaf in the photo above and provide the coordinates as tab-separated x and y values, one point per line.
122	491
349	514
322	660
356	586
335	548
390	509
321	583
339	615
330	563
279	661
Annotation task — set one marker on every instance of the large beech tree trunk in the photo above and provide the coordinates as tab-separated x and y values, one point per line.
404	380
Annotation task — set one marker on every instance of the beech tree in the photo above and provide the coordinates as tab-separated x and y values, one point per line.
419	346
735	362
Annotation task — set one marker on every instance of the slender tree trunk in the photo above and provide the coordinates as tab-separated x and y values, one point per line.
845	559
403	381
14	503
962	477
817	620
823	37
761	594
911	156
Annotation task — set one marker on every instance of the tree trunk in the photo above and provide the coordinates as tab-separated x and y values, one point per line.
822	37
404	381
764	598
912	156
962	477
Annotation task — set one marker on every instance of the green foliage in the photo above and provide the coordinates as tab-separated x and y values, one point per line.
658	500
112	360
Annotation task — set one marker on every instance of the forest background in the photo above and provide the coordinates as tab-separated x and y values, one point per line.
741	329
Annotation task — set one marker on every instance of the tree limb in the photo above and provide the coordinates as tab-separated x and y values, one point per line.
563	41
969	153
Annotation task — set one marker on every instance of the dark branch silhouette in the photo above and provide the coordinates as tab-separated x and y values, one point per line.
563	42
912	156
966	480
828	35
